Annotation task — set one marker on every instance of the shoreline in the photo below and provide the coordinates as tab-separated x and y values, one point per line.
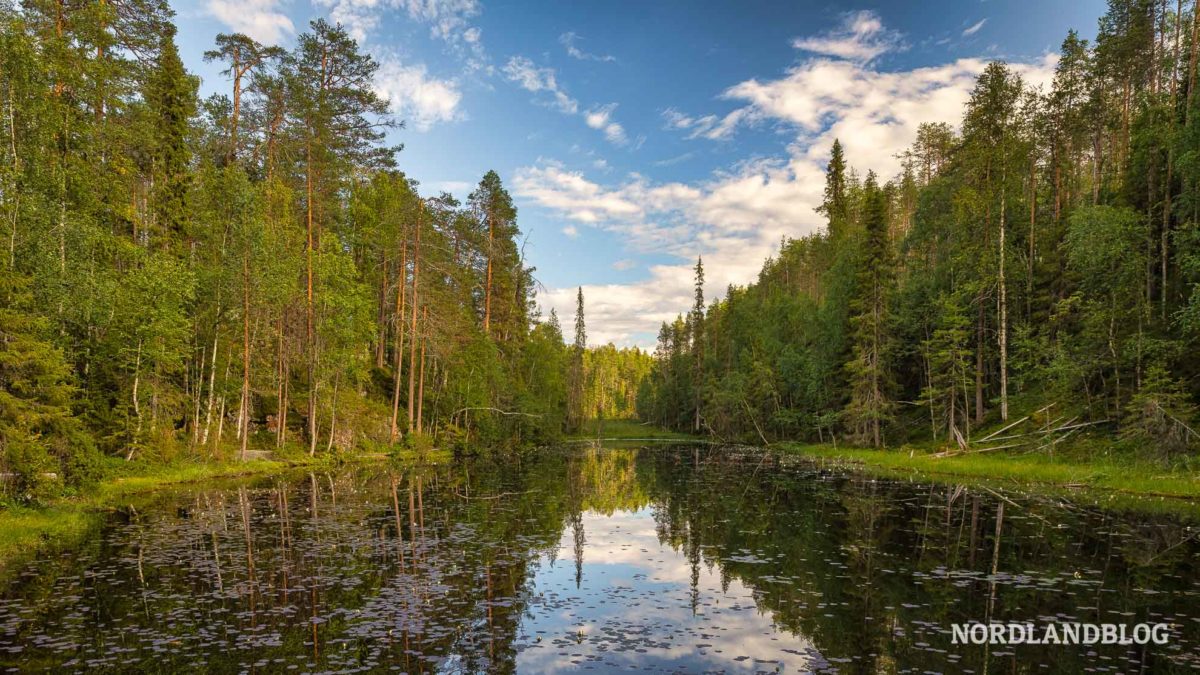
27	530
1036	473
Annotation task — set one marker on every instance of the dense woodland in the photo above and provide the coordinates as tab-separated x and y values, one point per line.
1045	253
188	278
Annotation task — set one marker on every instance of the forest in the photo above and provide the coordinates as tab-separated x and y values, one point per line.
253	273
1041	260
210	279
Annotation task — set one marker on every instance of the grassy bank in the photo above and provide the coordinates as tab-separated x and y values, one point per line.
1111	474
625	429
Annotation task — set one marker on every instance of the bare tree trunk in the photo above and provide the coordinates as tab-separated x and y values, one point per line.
401	282
487	294
282	397
137	408
1003	311
310	332
421	389
412	349
1032	237
979	363
212	380
245	412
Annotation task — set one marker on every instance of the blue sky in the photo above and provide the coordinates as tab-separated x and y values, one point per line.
635	136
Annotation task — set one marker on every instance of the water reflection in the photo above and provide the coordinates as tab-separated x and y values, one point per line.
660	560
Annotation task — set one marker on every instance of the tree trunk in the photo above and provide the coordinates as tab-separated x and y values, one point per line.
421	386
412	336
400	284
979	363
245	412
1003	311
381	319
310	332
212	381
487	294
282	399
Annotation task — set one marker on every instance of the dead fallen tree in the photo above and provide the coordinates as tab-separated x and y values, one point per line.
1048	437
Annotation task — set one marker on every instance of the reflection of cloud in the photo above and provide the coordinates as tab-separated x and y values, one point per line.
636	594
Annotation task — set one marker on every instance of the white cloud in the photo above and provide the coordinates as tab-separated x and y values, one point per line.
624	264
530	77
861	37
259	19
536	79
571	231
601	118
712	127
448	20
413	94
453	186
737	217
569	39
973	29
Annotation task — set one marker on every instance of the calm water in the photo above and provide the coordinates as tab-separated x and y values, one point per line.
708	560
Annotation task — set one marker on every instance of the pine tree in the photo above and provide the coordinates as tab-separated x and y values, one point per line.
697	327
870	407
835	205
171	95
578	376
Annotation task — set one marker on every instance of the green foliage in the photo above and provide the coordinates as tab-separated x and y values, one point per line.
182	279
1160	417
1048	253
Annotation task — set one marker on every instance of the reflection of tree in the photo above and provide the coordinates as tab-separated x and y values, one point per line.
876	571
361	568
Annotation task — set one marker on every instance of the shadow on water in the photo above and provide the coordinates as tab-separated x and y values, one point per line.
668	559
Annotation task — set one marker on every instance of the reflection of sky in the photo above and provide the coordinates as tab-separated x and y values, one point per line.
633	608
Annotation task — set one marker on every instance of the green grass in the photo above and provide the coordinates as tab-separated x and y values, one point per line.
1105	473
625	429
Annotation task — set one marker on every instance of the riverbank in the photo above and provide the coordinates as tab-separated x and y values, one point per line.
25	530
626	430
1108	474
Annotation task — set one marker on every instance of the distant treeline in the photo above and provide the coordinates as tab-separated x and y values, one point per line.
1046	252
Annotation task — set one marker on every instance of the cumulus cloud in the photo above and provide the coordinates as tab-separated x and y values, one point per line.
568	41
861	37
260	19
414	95
571	231
737	217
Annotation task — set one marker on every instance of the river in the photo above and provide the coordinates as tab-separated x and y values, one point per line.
598	560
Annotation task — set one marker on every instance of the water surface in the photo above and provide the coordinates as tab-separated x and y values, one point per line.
650	560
